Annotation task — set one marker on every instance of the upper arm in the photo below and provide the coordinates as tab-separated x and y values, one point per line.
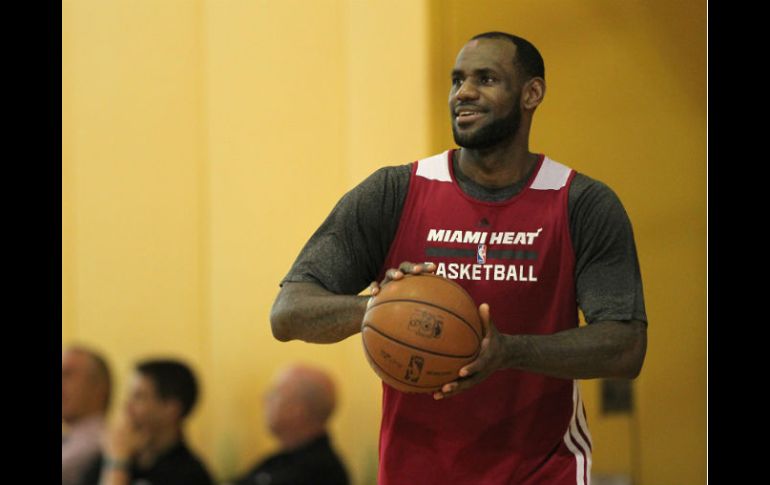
607	274
346	252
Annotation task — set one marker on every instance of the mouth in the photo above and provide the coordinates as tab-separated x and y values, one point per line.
465	116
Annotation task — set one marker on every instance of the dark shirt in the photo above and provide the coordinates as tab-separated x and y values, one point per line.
315	463
347	251
177	466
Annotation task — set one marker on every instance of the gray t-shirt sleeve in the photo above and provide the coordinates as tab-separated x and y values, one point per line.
346	252
607	276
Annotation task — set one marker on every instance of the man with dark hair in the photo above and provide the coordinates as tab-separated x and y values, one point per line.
298	406
532	241
147	445
85	398
527	61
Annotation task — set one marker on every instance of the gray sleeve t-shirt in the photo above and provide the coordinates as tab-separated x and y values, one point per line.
346	252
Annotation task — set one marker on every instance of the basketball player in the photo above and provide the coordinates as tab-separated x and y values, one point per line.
530	239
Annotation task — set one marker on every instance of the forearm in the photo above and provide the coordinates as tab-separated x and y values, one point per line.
600	350
305	311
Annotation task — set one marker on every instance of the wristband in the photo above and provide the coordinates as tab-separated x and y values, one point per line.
116	463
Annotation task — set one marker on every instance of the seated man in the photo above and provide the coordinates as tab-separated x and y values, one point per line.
297	409
85	397
147	445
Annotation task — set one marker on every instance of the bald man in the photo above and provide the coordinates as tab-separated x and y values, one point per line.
297	409
85	396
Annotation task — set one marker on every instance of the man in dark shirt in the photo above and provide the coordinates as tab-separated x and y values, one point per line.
297	410
147	445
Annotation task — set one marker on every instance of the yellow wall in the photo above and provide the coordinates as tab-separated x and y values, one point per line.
203	141
295	116
131	170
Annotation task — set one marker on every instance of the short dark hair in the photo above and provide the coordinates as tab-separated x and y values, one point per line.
528	59
173	380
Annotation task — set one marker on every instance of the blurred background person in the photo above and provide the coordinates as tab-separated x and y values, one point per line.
85	398
297	409
147	444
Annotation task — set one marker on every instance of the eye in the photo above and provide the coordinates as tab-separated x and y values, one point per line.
456	81
487	80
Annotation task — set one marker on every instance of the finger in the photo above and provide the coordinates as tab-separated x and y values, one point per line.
408	267
450	387
390	275
394	274
374	288
486	321
471	368
447	390
479	363
453	388
422	268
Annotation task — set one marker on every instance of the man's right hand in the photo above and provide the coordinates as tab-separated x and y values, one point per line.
124	439
404	268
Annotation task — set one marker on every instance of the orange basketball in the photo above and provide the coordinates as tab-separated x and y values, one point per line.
420	331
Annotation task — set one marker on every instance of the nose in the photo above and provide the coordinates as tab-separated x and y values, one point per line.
466	92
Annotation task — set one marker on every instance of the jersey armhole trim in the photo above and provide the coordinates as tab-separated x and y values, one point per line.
407	207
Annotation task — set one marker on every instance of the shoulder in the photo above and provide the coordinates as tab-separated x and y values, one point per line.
382	193
591	197
188	465
585	187
386	178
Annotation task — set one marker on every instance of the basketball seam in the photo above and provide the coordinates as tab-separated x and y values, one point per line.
478	337
418	348
366	349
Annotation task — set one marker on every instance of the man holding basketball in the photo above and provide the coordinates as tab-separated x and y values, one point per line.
528	238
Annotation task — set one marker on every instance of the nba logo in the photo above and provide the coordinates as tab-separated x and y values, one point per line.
481	254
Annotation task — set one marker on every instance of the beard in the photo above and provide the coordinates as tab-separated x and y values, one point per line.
492	134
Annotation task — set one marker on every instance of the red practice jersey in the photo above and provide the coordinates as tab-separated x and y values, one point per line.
515	427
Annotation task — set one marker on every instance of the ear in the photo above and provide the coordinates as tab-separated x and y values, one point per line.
172	408
532	93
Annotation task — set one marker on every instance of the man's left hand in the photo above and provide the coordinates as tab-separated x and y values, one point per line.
491	358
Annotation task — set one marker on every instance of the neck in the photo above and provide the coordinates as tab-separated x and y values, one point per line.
498	166
158	444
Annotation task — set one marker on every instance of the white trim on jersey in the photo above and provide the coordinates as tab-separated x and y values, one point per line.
574	440
552	175
583	423
435	167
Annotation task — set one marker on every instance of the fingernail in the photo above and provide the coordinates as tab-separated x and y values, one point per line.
463	372
438	396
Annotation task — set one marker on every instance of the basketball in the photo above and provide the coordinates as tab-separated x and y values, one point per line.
419	331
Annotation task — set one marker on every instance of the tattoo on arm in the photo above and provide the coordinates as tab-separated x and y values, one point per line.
308	312
599	350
